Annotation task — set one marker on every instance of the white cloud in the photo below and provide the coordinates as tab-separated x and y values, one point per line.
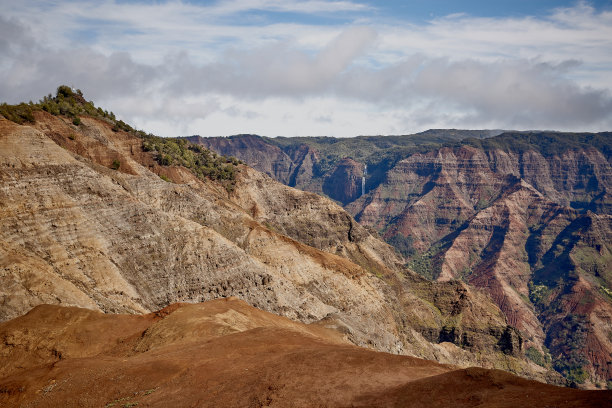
180	68
297	6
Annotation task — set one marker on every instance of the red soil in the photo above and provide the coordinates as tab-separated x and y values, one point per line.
226	353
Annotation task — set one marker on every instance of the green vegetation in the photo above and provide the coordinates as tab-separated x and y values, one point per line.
567	343
201	161
403	244
546	143
66	102
380	153
606	291
541	359
422	264
539	294
465	273
572	372
587	256
427	264
71	103
363	147
20	114
481	204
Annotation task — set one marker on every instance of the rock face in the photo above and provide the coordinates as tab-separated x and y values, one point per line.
88	221
344	184
227	353
464	214
524	217
129	243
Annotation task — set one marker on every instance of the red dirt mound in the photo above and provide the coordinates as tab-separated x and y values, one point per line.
226	353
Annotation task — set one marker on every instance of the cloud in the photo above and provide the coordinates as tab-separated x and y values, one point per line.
275	70
295	6
184	68
31	70
516	93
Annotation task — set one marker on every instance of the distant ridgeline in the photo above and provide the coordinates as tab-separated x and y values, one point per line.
548	144
309	163
71	104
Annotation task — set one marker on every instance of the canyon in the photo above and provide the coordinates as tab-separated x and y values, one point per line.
524	217
97	217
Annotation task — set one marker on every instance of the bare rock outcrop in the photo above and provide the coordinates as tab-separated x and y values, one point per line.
522	216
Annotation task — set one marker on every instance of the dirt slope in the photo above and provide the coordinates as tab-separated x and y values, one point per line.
226	353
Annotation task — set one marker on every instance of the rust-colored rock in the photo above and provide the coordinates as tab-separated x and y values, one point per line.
226	353
524	217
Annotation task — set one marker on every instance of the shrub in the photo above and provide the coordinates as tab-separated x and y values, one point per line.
19	114
64	91
572	372
567	339
404	244
202	162
71	103
540	359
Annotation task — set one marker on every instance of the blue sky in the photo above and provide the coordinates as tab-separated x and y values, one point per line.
426	9
317	67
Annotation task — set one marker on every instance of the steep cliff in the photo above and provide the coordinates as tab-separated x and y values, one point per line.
471	214
523	216
266	158
345	183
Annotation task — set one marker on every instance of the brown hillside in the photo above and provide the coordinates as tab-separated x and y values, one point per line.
79	230
226	353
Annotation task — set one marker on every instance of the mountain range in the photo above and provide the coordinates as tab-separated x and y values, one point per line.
487	268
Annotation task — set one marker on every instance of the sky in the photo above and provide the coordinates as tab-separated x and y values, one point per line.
317	67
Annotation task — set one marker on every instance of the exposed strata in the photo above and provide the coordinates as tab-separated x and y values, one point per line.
529	226
76	232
